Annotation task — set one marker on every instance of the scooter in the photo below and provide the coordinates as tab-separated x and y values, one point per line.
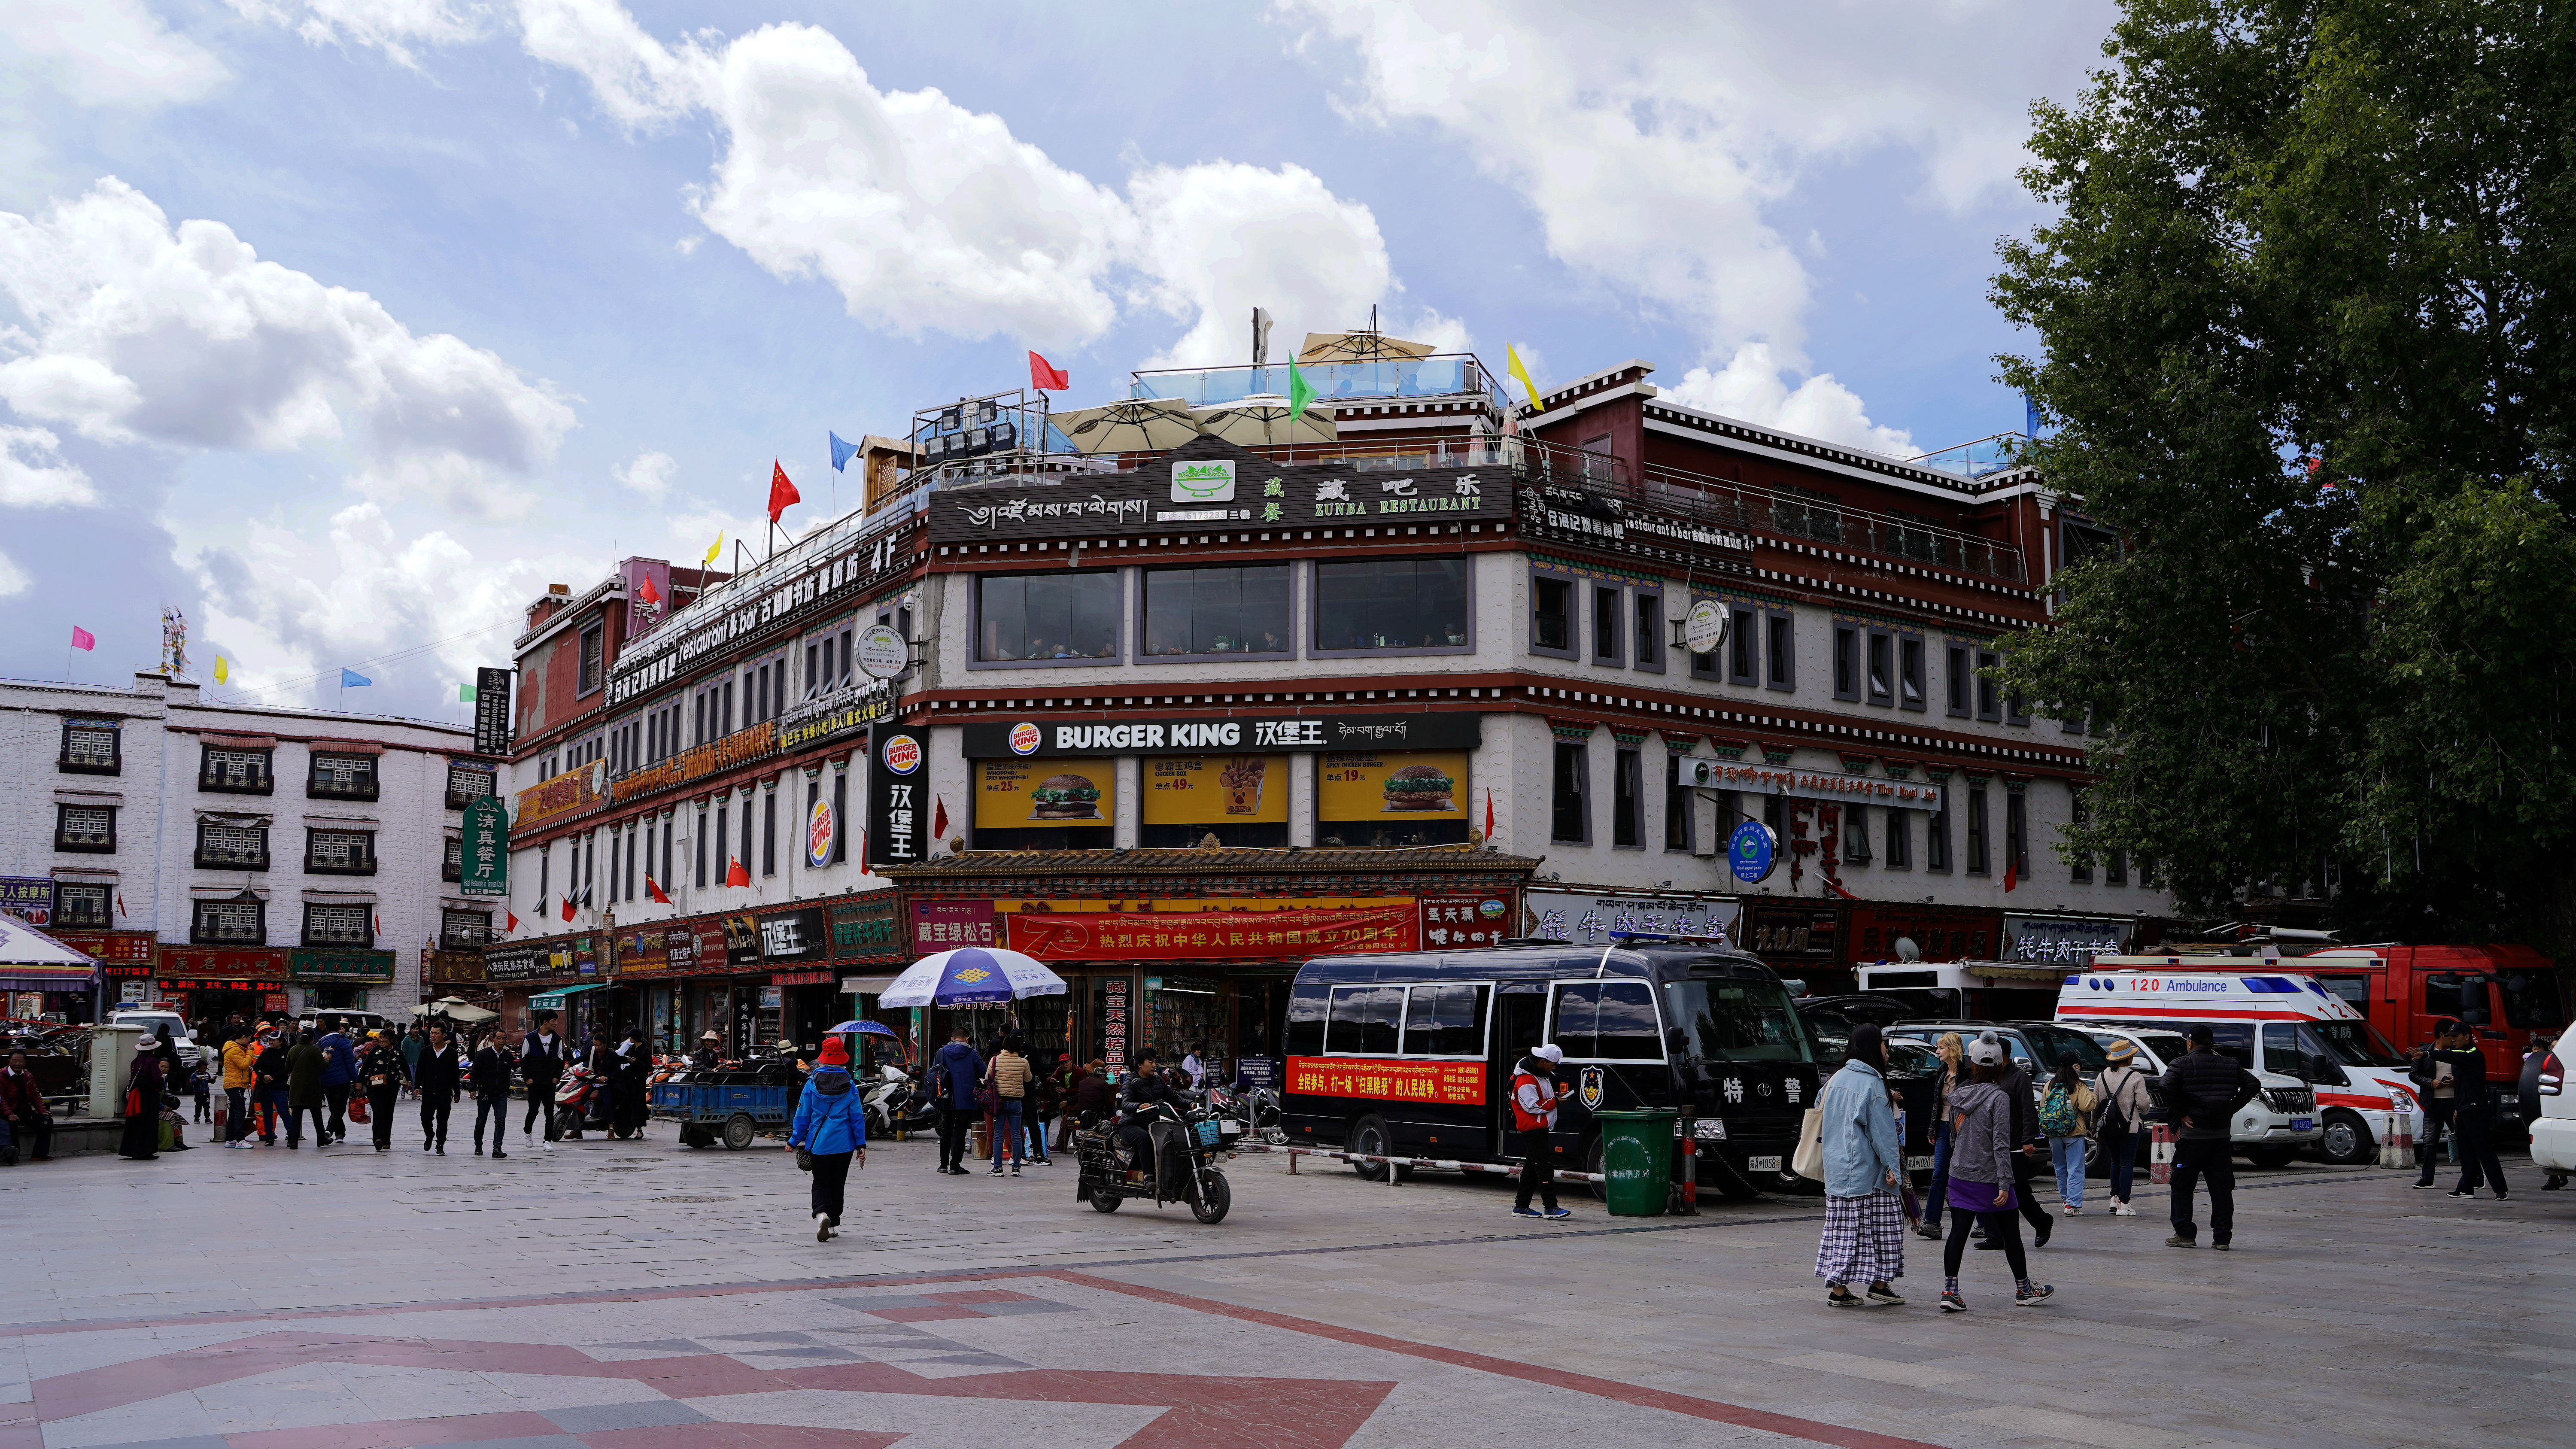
895	1108
581	1101
1254	1111
1182	1165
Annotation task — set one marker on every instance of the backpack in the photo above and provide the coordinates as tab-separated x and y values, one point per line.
2057	1114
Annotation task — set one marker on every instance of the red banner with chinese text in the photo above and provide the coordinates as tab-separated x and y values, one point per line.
1202	935
1451	1084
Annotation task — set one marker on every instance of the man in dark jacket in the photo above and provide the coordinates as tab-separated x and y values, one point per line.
304	1064
2204	1090
31	1122
339	1069
2472	1109
381	1073
954	1071
543	1055
436	1076
268	1085
489	1075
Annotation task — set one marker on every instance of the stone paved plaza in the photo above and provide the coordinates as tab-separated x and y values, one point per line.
647	1296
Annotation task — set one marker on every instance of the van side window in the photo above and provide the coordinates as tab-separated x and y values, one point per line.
2235	1039
1363	1020
1305	1034
1627	1029
1445	1021
1576	1019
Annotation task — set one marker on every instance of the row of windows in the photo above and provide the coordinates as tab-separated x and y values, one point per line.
1600	1021
221	845
245	923
94	748
1362	607
640	857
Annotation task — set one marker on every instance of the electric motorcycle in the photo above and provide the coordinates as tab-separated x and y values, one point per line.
1180	1165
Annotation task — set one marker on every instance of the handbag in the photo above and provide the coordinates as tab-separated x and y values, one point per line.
358	1108
1809	1162
804	1160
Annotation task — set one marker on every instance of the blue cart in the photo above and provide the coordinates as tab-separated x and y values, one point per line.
722	1112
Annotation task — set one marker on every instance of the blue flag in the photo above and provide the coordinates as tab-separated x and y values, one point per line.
350	678
842	453
2030	416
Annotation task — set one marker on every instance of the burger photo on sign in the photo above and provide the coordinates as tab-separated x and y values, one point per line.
1065	797
1418	787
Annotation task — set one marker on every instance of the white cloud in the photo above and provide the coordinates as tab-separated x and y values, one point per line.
13	579
637	79
34	475
650	474
1750	388
103	53
1222	238
391	26
182	336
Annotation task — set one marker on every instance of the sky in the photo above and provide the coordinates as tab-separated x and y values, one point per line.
345	327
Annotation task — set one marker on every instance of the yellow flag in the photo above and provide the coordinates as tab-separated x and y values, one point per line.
221	673
716	548
1520	375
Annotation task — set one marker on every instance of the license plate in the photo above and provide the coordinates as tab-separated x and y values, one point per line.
1918	1164
2302	1124
1762	1164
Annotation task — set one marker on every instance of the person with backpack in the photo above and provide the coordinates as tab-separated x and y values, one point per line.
1535	1091
2202	1092
1864	1237
2066	1115
831	1126
1987	1142
2122	1089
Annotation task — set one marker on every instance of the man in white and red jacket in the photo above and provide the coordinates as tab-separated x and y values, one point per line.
1535	1091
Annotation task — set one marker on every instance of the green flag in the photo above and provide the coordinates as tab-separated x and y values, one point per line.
1299	394
465	694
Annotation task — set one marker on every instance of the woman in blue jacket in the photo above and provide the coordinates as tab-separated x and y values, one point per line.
1864	1238
832	1124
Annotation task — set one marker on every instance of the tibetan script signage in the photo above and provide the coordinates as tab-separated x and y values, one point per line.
868	929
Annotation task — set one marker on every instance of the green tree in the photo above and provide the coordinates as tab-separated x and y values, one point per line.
2302	308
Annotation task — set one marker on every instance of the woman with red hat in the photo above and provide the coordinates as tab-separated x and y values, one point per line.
831	1124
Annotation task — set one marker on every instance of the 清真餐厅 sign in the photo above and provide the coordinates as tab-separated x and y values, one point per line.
486	870
1247	733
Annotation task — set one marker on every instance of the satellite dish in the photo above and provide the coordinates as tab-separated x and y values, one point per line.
1906	950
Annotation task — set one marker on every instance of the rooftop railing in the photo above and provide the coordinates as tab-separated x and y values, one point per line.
1448	374
1811	517
1998	453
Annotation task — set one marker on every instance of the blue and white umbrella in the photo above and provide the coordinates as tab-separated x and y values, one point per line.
971	976
861	1028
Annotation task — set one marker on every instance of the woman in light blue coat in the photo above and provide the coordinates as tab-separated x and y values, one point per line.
1864	1239
832	1124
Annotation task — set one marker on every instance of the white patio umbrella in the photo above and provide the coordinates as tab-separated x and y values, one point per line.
455	1008
1262	420
1139	425
1366	345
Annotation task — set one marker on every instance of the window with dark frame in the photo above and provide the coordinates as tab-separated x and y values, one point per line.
594	644
469	781
339	925
85	829
1780	642
80	903
463	930
1743	646
451	861
1855	834
1882	668
1552	615
1679	827
1627	798
341	777
1606	619
1936	834
2017	834
1978	864
1569	816
698	848
840	816
1375	604
1900	838
1958	682
1847	662
1910	685
1064	615
1989	694
1646	641
228	923
92	747
1216	611
229	845
343	852
234	771
769	832
2079	868
2115	868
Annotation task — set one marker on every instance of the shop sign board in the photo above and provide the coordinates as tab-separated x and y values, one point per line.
947	925
28	897
584	956
117	946
375	967
492	711
486	848
1213	935
838	569
741	941
1584	919
867	929
1693	773
516	963
692	946
1450	1084
753	742
451	966
1224	734
1208	484
1784	932
1113	1023
835	716
644	951
570	793
2060	940
1449	922
234	963
802	978
1207	789
898	773
796	935
1939	933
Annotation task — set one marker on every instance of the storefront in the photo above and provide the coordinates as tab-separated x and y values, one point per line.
646	991
868	950
126	956
1193	950
523	975
217	983
324	979
36	970
458	974
1593	918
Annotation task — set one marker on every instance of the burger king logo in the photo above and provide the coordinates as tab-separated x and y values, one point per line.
902	754
1024	739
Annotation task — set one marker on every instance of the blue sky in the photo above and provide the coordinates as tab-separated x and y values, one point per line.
395	311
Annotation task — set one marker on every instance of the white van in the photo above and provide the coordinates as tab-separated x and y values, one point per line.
2276	1025
161	1022
2269	1131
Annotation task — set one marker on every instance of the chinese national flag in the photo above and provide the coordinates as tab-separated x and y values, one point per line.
781	492
1489	816
2012	875
939	818
1045	376
645	592
735	875
513	917
654	890
567	907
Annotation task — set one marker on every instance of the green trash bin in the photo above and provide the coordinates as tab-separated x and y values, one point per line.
1637	1157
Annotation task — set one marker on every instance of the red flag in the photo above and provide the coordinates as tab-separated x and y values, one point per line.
1836	887
863	852
1046	376
83	639
939	817
781	492
513	917
567	907
735	875
2012	875
1489	815
120	904
645	591
653	890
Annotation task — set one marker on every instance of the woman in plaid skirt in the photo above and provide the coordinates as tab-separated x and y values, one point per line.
1864	1239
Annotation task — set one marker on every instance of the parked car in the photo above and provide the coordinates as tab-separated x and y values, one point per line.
1913	1069
2553	1133
161	1022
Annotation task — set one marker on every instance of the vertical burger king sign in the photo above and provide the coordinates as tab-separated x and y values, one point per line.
895	792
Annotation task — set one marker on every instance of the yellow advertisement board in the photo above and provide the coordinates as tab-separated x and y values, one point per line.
1034	794
1391	785
1214	789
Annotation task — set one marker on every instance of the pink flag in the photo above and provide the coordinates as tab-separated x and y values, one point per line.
83	639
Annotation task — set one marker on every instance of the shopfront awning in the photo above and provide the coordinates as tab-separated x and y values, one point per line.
554	1000
30	960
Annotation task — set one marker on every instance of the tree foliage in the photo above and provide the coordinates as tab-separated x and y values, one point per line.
2304	326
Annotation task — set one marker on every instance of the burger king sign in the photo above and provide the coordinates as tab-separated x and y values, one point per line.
902	754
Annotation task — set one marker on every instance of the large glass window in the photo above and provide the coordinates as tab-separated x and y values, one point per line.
1391	604
1607	1021
1552	614
1217	611
1363	1020
2531	999
1569	819
1743	1021
1445	1021
1047	616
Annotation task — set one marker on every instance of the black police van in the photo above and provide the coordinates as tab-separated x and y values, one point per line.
1413	1053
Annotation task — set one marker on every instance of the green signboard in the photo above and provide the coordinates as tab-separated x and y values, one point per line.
487	848
867	929
329	965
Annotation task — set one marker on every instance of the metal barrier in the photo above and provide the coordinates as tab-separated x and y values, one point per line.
1500	1169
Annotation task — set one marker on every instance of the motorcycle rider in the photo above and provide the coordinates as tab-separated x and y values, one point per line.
704	1059
1145	1090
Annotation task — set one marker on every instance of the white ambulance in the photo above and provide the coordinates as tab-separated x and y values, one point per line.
2276	1025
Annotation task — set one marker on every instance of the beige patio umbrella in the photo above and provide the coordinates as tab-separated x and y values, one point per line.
1261	420
455	1008
1139	425
1364	346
